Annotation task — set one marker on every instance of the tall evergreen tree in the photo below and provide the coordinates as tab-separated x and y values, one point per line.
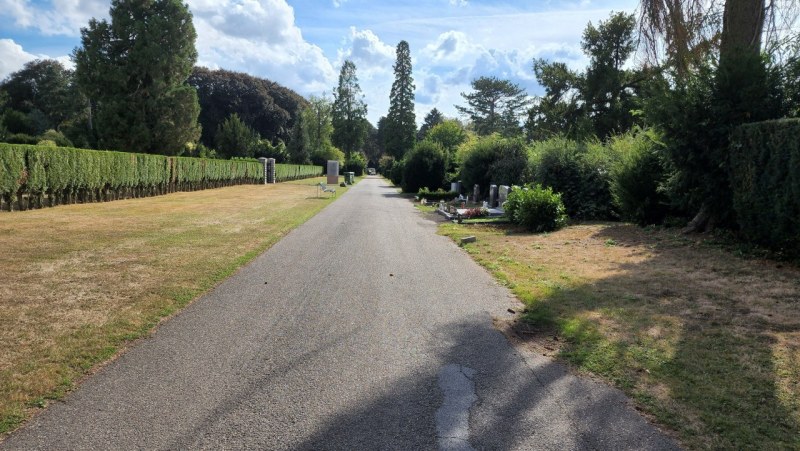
298	148
432	119
134	71
402	126
349	111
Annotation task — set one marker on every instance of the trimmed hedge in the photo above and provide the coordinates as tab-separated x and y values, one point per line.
765	176
436	196
286	172
36	176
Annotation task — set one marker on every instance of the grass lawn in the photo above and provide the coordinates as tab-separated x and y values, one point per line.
81	281
707	343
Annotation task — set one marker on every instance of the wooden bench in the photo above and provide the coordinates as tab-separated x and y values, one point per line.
322	186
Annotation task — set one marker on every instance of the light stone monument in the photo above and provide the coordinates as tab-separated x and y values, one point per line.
333	172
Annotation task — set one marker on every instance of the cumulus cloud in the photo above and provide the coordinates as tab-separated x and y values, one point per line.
259	37
54	18
12	57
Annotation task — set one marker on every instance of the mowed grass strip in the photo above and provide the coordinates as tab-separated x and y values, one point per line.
80	281
705	342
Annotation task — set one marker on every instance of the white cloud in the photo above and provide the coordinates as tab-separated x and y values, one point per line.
57	18
459	2
260	37
12	57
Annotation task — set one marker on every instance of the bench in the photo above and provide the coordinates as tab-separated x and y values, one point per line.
322	186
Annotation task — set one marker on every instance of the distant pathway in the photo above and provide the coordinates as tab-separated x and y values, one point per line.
362	329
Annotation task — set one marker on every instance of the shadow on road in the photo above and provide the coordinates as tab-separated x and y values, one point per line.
517	408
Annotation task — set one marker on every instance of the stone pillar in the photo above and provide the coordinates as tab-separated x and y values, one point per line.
476	193
269	169
333	172
492	196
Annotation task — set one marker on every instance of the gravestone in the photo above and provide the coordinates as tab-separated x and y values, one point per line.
492	196
476	193
333	172
455	187
502	194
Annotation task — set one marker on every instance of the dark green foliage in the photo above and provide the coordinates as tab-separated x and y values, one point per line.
535	208
21	138
385	165
44	92
495	106
697	117
58	138
437	195
134	70
581	172
637	177
765	176
433	118
401	126
235	139
267	107
68	175
349	111
494	160
424	167
18	122
299	149
396	172
357	163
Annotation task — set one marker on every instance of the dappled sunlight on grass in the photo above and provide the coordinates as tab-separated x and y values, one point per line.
704	341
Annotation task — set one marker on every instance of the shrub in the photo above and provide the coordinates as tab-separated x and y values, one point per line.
494	160
637	177
423	167
535	208
581	172
56	137
21	138
437	196
356	163
765	176
385	165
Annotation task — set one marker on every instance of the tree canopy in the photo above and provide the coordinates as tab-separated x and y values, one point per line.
134	70
401	126
349	111
494	106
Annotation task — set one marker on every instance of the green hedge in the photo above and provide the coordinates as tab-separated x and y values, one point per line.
765	176
67	175
286	172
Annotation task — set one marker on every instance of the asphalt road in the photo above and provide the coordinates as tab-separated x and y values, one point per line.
362	329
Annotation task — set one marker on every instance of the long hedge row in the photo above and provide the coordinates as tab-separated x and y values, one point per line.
285	172
765	176
36	176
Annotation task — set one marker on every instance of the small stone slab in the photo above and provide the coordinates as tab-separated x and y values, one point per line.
468	239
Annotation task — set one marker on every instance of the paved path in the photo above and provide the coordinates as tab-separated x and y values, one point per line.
362	329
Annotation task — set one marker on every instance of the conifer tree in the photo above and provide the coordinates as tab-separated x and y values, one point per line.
134	71
349	111
401	128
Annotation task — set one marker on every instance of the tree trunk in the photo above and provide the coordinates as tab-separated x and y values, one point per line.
742	27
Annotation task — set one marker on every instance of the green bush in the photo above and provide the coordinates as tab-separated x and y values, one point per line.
765	176
494	160
57	137
535	208
396	172
21	138
437	196
581	172
356	163
637	178
424	167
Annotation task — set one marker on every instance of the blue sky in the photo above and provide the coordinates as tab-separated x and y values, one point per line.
302	43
